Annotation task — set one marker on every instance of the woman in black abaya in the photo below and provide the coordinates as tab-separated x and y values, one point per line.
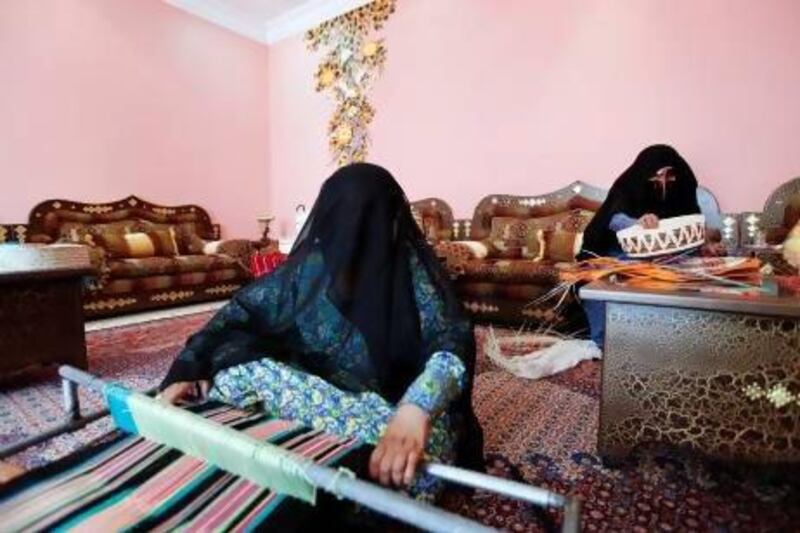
358	334
659	184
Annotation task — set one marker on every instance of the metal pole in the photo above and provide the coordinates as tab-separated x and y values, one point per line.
390	503
572	516
72	405
519	491
71	379
73	425
513	489
80	377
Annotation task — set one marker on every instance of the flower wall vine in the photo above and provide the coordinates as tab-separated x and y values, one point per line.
353	60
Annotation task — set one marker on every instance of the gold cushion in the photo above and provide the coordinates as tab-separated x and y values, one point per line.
164	242
562	245
139	245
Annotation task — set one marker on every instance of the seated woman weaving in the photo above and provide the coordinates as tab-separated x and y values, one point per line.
659	184
358	334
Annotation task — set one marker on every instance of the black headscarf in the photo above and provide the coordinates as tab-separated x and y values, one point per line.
362	225
635	195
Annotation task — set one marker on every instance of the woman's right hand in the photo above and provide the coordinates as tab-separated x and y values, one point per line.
648	221
185	392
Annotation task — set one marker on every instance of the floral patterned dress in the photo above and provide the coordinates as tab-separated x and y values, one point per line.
288	392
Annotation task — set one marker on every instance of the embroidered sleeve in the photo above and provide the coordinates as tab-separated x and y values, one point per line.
253	311
621	221
438	385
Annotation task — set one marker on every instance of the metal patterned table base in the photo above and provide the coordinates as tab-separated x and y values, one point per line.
720	383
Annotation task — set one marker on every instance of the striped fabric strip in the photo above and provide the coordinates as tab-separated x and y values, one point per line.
130	483
236	452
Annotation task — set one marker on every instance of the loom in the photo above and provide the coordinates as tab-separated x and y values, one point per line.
273	467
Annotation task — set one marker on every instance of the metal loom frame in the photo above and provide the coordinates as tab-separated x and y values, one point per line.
377	498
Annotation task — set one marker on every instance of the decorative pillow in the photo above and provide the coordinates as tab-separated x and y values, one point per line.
534	246
164	242
113	243
577	220
126	245
478	249
511	235
456	254
500	249
562	245
76	232
139	245
122	226
507	237
211	247
791	247
189	243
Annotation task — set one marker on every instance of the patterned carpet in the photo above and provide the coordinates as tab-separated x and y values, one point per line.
541	432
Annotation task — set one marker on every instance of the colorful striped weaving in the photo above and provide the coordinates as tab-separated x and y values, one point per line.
234	451
130	483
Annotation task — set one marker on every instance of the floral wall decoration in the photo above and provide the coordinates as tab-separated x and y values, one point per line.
353	59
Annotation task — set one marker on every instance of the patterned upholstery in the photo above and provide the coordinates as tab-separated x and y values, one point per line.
504	287
578	196
125	284
501	271
149	283
781	211
508	288
435	218
150	266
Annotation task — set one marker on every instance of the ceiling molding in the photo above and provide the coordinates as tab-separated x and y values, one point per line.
306	16
294	21
221	14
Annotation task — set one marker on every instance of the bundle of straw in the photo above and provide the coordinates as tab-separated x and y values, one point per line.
737	274
687	274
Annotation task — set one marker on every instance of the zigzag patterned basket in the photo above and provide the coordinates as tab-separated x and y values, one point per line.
672	235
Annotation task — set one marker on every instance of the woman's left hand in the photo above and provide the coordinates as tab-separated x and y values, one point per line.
395	458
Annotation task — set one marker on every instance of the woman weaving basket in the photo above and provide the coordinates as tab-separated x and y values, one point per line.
358	334
658	185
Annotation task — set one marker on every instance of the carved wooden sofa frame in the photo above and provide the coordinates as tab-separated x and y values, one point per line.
44	226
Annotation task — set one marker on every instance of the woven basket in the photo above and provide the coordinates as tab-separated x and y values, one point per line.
672	235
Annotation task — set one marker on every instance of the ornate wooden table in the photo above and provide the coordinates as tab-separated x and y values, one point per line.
41	313
718	373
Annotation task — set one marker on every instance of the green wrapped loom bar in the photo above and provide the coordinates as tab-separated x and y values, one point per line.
260	462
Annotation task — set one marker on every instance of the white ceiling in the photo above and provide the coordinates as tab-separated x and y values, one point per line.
267	21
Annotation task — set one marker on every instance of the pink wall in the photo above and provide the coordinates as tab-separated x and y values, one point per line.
478	98
103	98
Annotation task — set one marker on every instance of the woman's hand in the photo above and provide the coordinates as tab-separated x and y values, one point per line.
185	391
648	221
395	458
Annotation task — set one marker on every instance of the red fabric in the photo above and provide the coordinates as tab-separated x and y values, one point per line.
790	284
264	263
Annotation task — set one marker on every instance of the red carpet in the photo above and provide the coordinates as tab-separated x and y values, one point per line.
541	432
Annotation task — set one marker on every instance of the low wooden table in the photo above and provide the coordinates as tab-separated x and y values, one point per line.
693	369
41	312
